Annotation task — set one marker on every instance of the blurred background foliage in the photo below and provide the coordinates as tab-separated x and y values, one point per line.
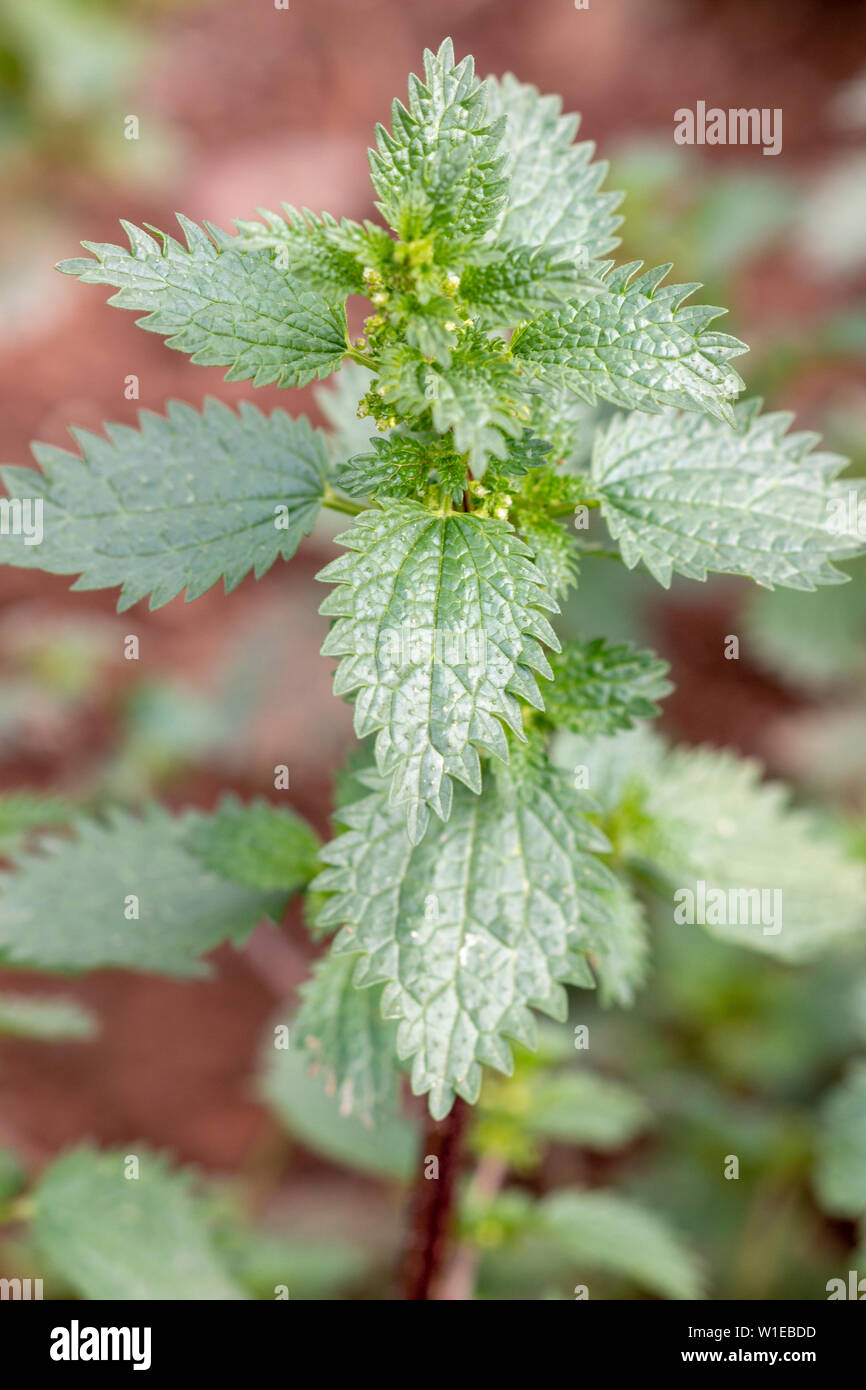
602	1165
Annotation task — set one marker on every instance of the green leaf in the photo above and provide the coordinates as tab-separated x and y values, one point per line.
348	1040
65	906
482	397
682	493
840	1169
506	286
311	1112
554	198
603	1231
258	845
635	345
599	688
348	432
402	466
320	251
113	1237
554	552
439	168
44	1017
309	1268
439	629
546	1100
225	306
22	812
473	927
524	455
713	820
621	957
610	766
380	471
582	1108
177	504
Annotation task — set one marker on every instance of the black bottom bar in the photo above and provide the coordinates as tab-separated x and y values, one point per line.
256	1338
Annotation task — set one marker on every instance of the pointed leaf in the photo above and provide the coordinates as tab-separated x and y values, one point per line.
317	250
554	552
179	503
554	193
256	844
439	167
483	396
472	928
72	904
225	306
599	687
635	345
683	493
439	629
520	282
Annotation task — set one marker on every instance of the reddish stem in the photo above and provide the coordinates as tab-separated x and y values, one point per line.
432	1204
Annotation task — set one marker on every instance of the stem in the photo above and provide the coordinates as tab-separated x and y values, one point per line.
432	1204
362	358
599	550
591	503
341	504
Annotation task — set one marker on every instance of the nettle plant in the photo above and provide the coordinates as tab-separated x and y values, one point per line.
497	838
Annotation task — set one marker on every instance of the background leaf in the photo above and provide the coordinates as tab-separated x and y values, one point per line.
601	1230
256	844
310	1110
840	1170
22	812
63	908
714	819
112	1237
